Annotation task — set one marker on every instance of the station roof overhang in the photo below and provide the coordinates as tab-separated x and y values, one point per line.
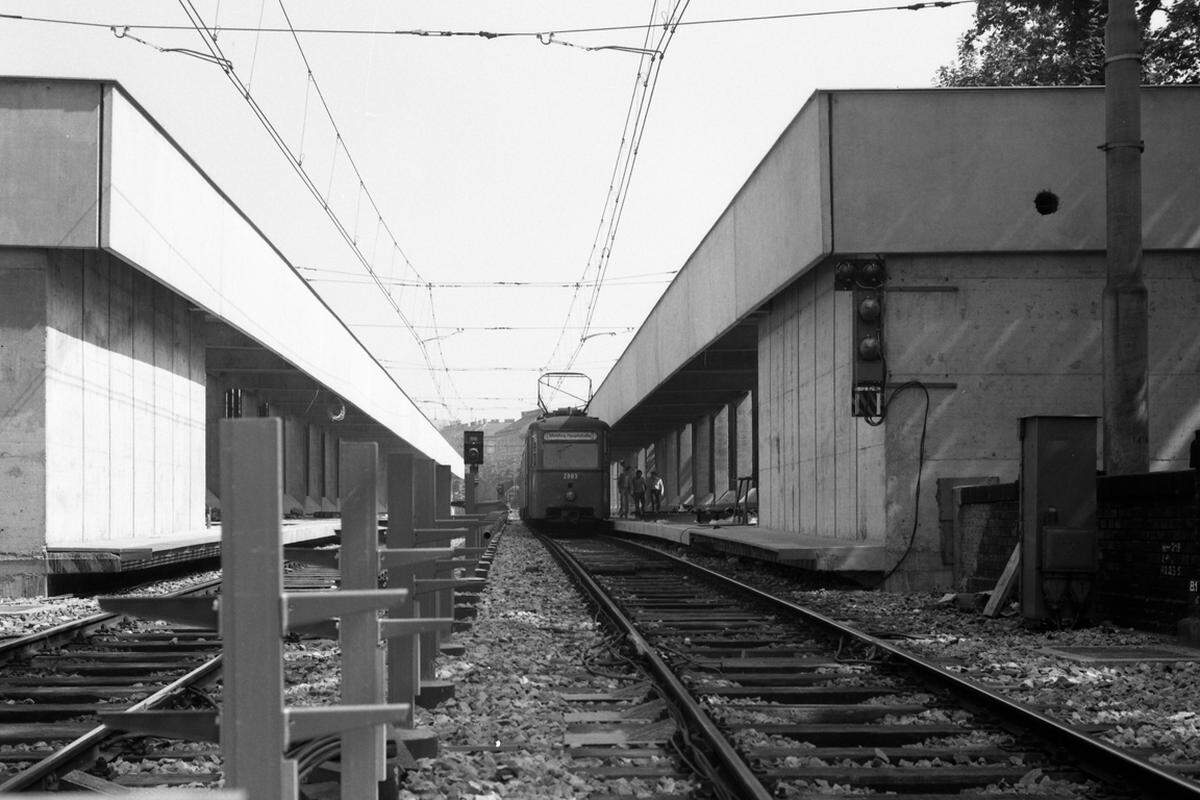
87	167
724	372
902	171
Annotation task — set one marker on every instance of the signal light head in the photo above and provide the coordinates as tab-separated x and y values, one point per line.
870	309
871	273
870	348
843	274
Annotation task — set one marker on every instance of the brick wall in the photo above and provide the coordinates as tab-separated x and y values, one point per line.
987	528
1149	548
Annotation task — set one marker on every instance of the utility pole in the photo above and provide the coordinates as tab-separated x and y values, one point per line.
1125	320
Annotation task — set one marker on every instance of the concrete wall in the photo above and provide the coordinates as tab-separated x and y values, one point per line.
995	338
1019	337
125	404
937	170
22	402
50	163
820	471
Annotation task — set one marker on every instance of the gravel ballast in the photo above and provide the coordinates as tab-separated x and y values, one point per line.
1152	707
530	640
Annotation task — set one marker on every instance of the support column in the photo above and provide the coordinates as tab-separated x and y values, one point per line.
686	472
702	457
470	483
722	447
1125	325
669	468
442	494
295	469
329	451
733	444
754	438
363	749
747	442
424	513
214	412
316	469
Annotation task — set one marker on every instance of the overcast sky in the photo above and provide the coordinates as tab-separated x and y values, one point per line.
489	158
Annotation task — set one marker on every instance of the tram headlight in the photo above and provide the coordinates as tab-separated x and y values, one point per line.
570	495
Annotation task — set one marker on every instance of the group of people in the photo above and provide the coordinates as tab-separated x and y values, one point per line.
634	486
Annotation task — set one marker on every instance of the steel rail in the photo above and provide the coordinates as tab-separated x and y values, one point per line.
81	746
732	777
22	646
1099	758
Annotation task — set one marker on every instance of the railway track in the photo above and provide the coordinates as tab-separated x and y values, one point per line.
54	683
775	700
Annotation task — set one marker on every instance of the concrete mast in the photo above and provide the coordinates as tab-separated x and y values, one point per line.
1125	331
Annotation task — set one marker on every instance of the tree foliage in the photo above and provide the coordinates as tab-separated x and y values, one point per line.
1061	43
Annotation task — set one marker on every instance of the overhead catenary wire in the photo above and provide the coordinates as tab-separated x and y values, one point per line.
647	99
217	55
613	328
489	35
319	272
486	284
363	190
612	180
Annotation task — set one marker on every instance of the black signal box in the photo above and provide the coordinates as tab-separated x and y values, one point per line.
472	447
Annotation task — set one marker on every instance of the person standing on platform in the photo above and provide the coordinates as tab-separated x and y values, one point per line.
656	491
623	489
638	485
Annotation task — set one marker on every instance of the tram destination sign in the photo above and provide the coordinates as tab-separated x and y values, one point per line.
569	436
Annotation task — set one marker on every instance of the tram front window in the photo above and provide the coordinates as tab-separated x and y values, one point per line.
570	455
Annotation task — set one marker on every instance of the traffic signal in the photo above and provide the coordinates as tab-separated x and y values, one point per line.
472	447
865	279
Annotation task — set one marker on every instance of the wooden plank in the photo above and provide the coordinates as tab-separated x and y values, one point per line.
1006	585
75	779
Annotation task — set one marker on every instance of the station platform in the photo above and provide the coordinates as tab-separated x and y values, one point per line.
128	555
763	544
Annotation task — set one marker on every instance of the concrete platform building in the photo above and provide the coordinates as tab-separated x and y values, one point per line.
139	305
986	209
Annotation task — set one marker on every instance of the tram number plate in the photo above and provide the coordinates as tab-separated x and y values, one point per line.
570	476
